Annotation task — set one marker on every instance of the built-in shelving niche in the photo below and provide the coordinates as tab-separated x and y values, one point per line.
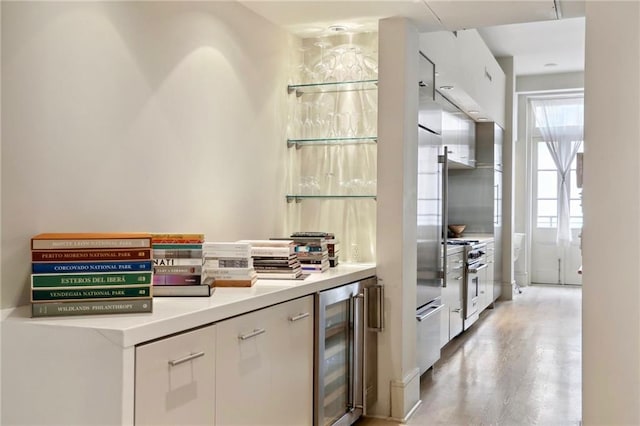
332	136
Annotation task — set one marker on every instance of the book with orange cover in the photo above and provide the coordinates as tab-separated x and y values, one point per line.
87	240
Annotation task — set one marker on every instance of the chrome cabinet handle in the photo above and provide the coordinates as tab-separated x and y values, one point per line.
428	312
479	268
254	333
298	317
182	360
459	278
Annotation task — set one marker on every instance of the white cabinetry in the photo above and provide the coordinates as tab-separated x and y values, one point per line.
458	134
175	380
464	61
264	362
114	369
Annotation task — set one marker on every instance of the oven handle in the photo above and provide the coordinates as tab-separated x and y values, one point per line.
476	269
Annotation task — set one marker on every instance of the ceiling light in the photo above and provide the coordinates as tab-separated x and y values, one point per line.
337	28
446	87
473	111
550	64
483	119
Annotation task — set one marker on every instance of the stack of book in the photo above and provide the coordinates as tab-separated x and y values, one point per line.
275	259
90	273
313	253
177	265
228	264
333	245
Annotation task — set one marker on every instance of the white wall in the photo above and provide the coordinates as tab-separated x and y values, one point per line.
510	129
611	294
136	116
550	82
396	227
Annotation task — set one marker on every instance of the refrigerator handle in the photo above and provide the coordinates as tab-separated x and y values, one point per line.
355	352
444	160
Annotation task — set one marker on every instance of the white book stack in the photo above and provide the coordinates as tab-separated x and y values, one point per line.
275	259
228	264
313	253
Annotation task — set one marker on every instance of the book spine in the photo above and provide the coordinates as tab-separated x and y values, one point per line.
85	307
97	243
178	270
176	238
271	251
72	280
88	267
229	271
227	263
90	293
234	283
178	254
177	247
211	254
178	262
182	290
176	279
227	246
88	255
219	277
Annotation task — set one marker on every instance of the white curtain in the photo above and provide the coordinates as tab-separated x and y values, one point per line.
560	123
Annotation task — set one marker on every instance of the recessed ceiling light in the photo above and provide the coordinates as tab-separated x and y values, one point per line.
550	64
337	28
482	119
446	87
473	111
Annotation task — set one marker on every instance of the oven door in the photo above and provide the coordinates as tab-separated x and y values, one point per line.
472	292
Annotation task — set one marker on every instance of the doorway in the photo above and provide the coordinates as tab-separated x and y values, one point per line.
555	145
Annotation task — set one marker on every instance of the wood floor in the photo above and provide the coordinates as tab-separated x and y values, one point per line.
520	364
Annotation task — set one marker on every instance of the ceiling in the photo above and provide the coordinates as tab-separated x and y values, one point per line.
535	32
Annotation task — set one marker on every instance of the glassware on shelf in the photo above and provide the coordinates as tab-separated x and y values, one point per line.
351	63
370	65
305	73
325	64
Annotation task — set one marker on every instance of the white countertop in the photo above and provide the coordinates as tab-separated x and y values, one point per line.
483	238
176	314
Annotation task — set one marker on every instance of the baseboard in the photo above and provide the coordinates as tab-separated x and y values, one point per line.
405	396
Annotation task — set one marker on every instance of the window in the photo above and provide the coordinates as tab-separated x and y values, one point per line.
547	191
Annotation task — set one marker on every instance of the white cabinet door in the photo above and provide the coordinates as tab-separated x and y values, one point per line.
175	380
292	352
264	363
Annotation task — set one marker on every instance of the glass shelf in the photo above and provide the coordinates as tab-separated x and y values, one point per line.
298	197
328	141
341	86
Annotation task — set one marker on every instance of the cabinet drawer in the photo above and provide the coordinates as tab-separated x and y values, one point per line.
455	263
174	379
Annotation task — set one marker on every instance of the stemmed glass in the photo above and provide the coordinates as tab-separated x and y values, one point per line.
305	73
322	69
351	63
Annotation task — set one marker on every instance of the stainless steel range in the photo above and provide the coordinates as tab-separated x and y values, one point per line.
475	261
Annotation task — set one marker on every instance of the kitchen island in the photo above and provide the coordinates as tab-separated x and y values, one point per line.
82	370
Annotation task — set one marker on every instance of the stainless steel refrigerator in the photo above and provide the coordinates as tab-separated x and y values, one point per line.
431	190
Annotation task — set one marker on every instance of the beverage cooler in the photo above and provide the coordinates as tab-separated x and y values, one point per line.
347	322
